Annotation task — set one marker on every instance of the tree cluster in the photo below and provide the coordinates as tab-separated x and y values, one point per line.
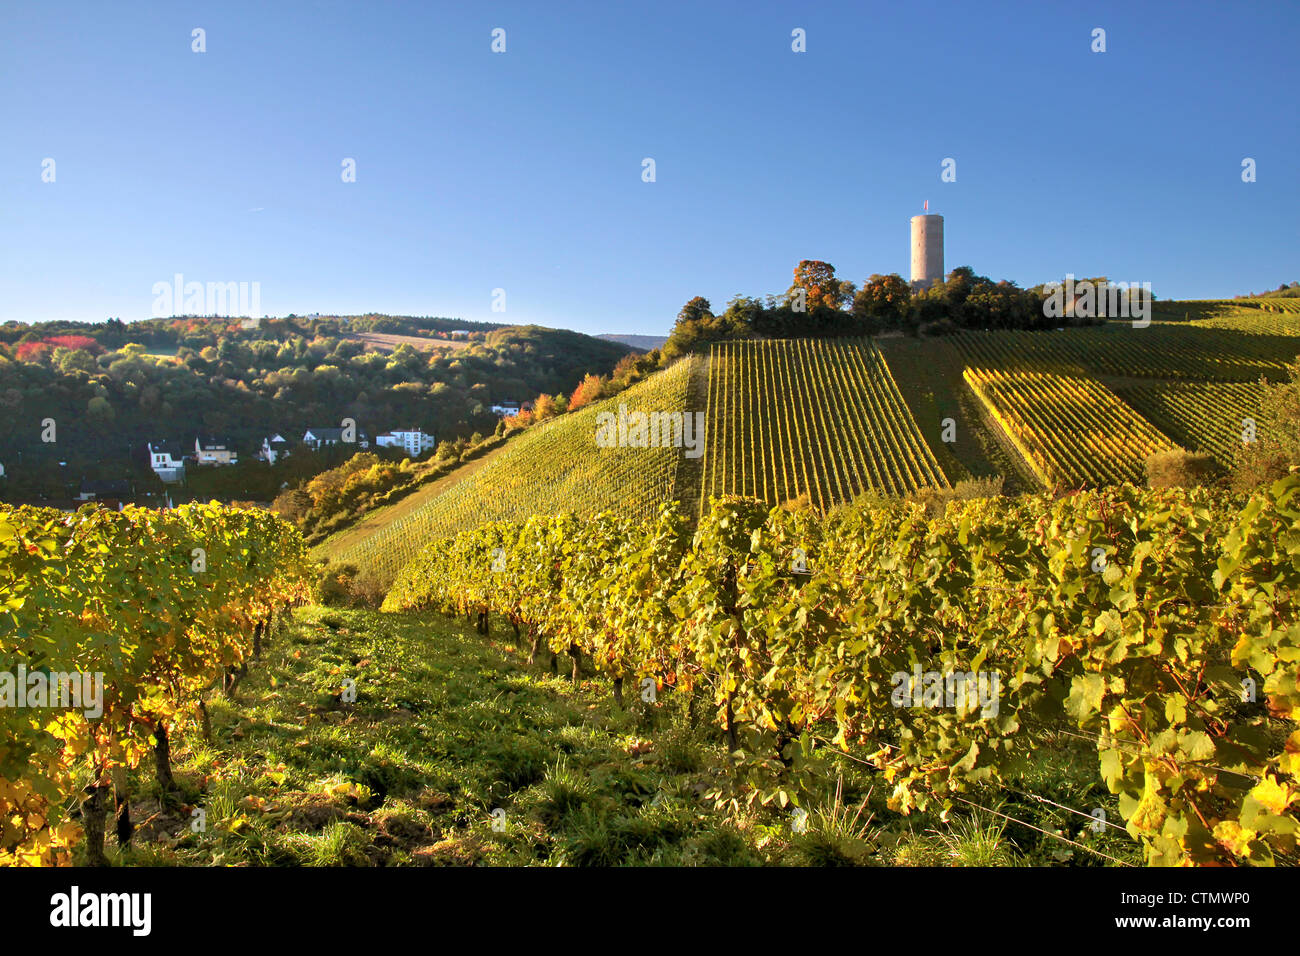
818	304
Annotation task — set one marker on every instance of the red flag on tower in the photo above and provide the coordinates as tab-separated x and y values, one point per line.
927	205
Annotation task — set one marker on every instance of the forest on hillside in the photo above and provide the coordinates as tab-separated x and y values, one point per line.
109	388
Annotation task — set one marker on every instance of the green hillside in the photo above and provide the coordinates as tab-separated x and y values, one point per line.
554	466
828	419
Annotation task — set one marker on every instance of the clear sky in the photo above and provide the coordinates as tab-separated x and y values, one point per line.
522	170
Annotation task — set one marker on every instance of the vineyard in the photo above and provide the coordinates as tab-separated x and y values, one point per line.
1073	432
554	466
1161	350
154	607
1140	623
1211	417
1281	319
1140	620
815	418
1083	406
825	421
1261	312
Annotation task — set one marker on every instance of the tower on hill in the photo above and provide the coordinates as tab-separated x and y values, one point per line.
927	251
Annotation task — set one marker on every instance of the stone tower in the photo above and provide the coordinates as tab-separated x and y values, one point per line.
927	251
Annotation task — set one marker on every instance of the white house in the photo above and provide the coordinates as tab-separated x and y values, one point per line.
413	440
505	409
166	460
273	448
214	451
2	471
318	438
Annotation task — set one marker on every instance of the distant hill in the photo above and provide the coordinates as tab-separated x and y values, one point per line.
642	342
114	386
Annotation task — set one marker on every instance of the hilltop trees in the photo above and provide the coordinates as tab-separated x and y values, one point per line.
968	301
883	301
697	327
696	310
694	328
818	282
818	304
1286	290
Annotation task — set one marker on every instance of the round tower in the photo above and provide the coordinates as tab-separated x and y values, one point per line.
927	251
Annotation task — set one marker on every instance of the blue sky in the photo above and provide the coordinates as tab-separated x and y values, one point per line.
522	170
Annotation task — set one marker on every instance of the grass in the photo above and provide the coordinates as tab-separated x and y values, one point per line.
929	374
455	752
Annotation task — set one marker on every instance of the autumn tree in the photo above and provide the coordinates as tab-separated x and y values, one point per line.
883	299
588	391
817	280
292	505
544	407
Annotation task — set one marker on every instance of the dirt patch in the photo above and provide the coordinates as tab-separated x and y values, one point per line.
435	801
159	823
466	851
316	811
405	832
385	342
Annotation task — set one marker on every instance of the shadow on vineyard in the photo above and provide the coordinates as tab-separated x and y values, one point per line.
456	752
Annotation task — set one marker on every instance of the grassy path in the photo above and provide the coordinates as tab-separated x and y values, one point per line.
448	727
929	374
